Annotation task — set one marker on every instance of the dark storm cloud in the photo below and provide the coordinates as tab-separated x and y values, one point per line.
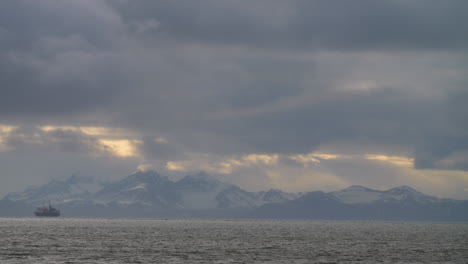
384	116
362	24
241	77
24	22
49	60
28	91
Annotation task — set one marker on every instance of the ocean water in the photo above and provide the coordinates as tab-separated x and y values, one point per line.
68	240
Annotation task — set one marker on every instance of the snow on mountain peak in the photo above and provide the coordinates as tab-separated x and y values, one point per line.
406	193
277	196
359	194
403	189
139	186
142	187
357	188
201	181
57	190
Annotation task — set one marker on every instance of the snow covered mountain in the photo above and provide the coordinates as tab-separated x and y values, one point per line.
361	195
57	191
151	190
277	196
148	194
193	192
361	203
201	191
143	187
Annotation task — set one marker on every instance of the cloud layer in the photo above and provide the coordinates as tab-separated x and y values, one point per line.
229	79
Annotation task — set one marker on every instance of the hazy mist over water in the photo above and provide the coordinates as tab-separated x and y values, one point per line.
62	240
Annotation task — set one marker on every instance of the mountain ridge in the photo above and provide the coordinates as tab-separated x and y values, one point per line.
148	194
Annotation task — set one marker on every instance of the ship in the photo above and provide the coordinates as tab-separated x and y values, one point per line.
48	211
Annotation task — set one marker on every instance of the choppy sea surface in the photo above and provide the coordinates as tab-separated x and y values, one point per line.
68	240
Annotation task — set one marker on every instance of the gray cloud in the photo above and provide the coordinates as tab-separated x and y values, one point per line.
344	25
158	149
225	77
33	139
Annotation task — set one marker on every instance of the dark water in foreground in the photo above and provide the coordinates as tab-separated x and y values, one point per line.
61	240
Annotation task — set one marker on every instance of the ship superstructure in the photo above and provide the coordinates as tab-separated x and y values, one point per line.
47	210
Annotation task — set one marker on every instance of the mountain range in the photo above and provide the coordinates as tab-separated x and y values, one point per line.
148	194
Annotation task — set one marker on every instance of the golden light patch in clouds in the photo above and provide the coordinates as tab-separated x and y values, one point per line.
97	131
204	165
222	166
145	167
4	129
177	165
107	132
261	159
121	148
313	158
115	141
228	165
52	128
326	156
396	160
305	160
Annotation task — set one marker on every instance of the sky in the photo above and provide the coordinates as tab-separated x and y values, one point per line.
294	95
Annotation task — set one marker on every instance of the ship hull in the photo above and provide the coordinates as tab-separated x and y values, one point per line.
47	211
